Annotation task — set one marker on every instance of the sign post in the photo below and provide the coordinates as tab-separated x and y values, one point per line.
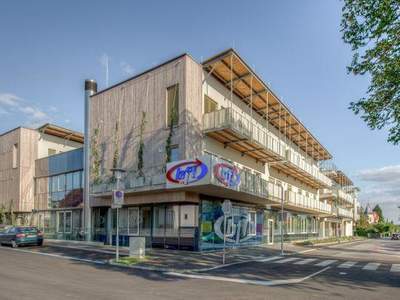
117	202
227	210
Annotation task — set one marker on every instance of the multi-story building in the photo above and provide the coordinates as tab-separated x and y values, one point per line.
40	177
191	135
342	196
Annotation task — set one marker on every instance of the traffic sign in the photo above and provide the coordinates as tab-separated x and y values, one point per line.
118	199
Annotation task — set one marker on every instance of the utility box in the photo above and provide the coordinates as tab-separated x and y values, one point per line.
137	246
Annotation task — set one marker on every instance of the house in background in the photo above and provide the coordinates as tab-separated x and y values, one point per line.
41	177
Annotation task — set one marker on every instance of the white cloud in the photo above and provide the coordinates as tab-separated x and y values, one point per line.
127	68
31	115
381	185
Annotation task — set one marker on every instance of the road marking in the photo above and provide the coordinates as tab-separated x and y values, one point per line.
238	263
305	261
286	260
305	251
395	268
269	258
247	281
326	262
98	262
371	266
347	264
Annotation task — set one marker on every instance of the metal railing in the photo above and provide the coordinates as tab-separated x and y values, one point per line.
309	202
244	126
253	131
342	212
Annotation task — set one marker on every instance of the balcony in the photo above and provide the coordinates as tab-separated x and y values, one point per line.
346	213
348	198
238	131
298	166
307	203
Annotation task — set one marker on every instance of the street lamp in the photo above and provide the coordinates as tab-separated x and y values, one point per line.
118	198
281	223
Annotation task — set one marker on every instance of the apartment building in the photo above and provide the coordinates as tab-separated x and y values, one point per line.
40	177
191	135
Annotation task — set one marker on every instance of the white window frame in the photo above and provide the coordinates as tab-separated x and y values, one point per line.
303	225
255	223
63	213
138	220
290	225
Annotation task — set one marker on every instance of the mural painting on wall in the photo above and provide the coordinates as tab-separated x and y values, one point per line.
240	226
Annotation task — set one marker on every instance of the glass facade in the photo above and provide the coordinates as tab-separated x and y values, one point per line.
163	225
60	191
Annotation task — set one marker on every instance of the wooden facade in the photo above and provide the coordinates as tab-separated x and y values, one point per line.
117	115
17	180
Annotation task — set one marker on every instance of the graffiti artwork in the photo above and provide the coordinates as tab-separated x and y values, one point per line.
187	172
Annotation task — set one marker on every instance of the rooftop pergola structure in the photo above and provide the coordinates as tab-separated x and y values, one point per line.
235	74
62	132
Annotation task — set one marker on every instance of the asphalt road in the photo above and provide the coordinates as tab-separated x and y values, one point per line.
32	276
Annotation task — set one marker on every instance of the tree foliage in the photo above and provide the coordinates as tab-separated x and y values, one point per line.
372	28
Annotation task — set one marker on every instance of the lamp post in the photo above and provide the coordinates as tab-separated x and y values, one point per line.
281	223
118	199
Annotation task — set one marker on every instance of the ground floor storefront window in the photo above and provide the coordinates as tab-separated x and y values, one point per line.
244	225
164	225
60	224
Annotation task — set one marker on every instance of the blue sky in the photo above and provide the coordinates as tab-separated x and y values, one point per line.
48	48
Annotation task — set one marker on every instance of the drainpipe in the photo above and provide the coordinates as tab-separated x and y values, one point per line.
90	89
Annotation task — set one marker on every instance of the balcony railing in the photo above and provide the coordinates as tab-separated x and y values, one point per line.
301	162
243	126
308	202
254	133
342	212
345	196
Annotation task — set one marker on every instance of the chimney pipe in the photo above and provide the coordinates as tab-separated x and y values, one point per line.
90	89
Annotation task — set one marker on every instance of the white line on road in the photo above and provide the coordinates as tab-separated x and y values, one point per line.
395	268
269	258
326	262
286	260
305	251
371	266
247	281
305	261
98	262
347	264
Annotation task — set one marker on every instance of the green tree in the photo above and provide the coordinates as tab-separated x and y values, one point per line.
372	28
378	211
363	221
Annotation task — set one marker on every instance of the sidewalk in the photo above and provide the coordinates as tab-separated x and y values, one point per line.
180	260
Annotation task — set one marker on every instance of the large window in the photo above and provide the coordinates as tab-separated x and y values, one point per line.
15	156
175	156
209	104
290	224
173	105
252	223
64	190
133	220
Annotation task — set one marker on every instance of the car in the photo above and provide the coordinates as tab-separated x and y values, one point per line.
21	235
395	236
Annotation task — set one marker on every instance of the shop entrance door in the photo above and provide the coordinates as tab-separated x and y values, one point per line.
64	223
270	231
